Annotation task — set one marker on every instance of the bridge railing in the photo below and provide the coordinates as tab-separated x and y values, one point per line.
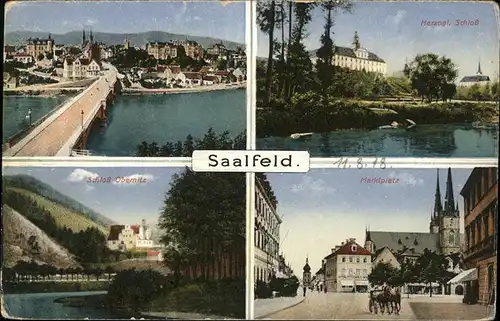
80	152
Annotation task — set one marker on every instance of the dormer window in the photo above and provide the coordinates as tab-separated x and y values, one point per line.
353	248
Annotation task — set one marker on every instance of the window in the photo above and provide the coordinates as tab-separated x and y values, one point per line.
350	259
343	259
485	222
357	260
350	271
364	260
357	272
364	271
479	238
451	238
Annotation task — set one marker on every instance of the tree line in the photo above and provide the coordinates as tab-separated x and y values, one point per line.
430	267
32	271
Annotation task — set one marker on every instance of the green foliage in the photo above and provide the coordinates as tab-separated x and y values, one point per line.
285	287
432	267
263	290
479	93
200	228
432	76
136	289
36	186
224	297
132	57
211	141
87	245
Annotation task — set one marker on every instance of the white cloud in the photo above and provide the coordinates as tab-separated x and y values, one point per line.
197	18
309	184
397	18
133	180
88	188
91	22
405	179
81	175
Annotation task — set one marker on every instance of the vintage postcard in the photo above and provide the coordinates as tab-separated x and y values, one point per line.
121	78
111	243
374	78
414	244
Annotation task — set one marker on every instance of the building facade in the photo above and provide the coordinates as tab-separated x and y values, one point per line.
480	194
444	237
306	274
36	47
130	237
347	267
358	58
162	50
266	234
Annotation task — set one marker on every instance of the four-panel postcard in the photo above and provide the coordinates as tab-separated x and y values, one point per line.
250	159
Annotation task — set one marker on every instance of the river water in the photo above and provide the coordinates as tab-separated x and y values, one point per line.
15	110
42	306
450	140
164	118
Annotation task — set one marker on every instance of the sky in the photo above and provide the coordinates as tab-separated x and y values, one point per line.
393	31
124	203
224	20
322	208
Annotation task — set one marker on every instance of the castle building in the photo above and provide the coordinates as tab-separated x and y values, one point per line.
444	236
162	50
347	267
478	79
36	47
129	237
266	235
480	194
358	58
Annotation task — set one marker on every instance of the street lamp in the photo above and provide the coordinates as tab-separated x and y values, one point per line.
29	115
82	113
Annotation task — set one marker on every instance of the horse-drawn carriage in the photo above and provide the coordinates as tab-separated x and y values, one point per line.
386	299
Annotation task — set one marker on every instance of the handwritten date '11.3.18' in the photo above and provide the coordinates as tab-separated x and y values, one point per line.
344	162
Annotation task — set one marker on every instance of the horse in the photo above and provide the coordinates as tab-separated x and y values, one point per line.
379	300
393	299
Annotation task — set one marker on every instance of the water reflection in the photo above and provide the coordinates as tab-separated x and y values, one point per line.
457	140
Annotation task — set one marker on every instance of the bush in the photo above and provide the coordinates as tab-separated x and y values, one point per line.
285	287
136	289
263	290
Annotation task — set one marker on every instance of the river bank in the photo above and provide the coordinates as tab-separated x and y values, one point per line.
166	91
49	287
353	115
44	93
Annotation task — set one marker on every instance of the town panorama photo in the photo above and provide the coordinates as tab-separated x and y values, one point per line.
123	78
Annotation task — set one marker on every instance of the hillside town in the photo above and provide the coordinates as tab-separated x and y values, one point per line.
441	265
155	65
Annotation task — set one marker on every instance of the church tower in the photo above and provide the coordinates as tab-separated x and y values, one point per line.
449	221
368	241
438	208
306	276
83	38
479	72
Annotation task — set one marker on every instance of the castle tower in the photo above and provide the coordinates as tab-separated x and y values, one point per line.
355	43
449	221
438	208
306	276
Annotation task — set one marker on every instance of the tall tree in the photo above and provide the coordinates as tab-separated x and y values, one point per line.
266	17
325	53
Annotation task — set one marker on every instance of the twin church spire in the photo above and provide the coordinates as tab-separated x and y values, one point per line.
450	208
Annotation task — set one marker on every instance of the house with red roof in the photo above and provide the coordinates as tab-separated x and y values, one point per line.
347	268
128	237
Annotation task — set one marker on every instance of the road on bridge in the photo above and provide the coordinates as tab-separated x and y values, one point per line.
54	135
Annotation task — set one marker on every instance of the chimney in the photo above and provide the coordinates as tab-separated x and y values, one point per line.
342	243
352	239
334	249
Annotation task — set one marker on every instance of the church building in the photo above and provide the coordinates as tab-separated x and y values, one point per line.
478	79
444	236
88	64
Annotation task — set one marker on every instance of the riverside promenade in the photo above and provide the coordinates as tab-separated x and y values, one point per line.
57	135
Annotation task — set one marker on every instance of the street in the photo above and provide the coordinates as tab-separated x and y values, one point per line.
355	306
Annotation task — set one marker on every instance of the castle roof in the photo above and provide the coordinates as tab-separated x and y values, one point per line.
350	52
476	78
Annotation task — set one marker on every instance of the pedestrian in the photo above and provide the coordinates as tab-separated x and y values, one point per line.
305	289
